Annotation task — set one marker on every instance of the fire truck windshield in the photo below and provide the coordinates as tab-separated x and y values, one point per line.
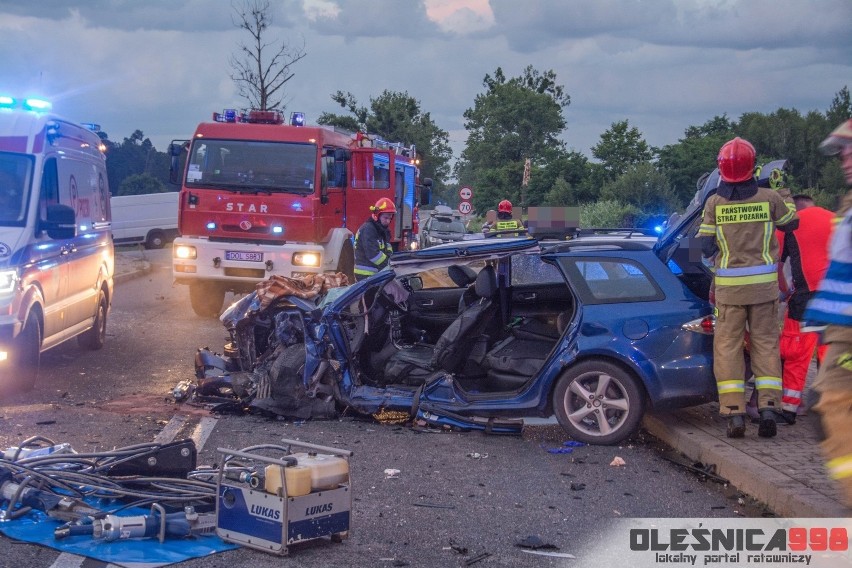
252	166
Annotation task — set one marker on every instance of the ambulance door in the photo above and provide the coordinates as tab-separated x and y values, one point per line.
47	266
79	180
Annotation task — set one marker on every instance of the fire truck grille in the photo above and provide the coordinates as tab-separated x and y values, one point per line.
246	272
237	229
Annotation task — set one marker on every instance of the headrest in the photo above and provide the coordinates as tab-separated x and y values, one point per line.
486	282
461	274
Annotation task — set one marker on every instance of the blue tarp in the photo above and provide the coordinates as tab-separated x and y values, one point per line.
37	528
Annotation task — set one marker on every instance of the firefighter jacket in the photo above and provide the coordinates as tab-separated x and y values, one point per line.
832	303
807	250
502	226
742	218
372	248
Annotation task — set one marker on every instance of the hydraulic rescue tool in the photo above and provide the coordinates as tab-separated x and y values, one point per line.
282	501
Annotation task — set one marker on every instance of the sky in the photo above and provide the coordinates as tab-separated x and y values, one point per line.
162	66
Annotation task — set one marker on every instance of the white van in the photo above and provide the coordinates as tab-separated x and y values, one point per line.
151	219
56	252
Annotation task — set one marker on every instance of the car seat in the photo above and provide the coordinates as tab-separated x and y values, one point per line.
414	364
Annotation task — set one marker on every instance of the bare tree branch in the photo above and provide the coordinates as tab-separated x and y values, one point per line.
261	78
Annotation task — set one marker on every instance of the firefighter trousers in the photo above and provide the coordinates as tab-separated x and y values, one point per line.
834	384
761	320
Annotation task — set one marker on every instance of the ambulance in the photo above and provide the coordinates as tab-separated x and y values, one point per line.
56	249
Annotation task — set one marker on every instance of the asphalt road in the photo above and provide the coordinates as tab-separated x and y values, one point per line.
457	495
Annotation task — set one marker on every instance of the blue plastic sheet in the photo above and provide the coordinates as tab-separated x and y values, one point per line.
37	528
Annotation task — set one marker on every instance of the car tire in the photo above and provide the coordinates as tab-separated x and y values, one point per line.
155	240
94	338
206	299
593	394
21	371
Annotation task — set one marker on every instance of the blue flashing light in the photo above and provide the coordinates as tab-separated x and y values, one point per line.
84	228
297	206
230	115
277	230
211	226
37	104
673	266
297	119
7	101
659	229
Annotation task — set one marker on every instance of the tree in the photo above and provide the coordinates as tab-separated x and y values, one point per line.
397	117
621	147
259	78
695	154
644	187
607	214
514	119
135	155
140	184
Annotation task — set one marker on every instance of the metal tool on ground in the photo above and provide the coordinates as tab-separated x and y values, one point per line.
156	524
298	497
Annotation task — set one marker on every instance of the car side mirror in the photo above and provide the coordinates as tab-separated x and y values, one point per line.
61	222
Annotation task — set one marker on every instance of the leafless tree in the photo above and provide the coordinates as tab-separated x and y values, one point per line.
260	80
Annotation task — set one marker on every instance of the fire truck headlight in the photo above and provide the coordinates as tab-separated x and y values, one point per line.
277	230
306	259
185	252
8	280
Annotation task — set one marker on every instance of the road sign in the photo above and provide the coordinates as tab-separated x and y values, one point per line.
465	207
465	193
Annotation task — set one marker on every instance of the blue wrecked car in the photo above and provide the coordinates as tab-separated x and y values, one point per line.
594	330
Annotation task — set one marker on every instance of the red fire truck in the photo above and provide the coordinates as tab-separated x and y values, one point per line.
261	197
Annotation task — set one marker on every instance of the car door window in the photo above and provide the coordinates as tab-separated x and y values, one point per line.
530	269
606	280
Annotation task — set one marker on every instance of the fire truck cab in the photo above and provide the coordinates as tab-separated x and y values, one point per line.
261	197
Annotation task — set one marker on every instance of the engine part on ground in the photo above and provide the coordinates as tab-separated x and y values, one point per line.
305	496
175	459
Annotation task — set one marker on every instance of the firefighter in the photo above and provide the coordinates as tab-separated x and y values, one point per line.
372	241
830	306
739	228
807	250
505	223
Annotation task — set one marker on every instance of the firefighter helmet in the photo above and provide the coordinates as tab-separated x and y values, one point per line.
839	137
736	160
383	205
505	206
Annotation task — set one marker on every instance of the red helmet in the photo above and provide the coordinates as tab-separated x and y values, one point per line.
383	205
736	160
505	206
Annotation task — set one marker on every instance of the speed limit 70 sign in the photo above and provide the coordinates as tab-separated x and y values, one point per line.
465	207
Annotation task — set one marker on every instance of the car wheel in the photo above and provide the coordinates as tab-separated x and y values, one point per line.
206	299
155	240
21	371
94	338
598	403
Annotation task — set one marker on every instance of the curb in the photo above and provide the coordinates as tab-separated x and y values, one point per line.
784	495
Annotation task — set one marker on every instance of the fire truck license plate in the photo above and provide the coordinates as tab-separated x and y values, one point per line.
242	255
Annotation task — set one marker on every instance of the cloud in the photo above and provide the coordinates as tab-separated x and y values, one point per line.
162	66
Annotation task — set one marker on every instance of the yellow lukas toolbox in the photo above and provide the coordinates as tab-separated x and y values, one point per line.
269	503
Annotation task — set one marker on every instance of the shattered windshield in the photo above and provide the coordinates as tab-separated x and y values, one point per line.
14	179
252	166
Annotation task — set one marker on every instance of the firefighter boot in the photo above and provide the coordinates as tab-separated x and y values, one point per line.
736	426
768	427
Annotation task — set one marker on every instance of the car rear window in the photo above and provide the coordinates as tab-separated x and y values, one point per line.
447	225
608	280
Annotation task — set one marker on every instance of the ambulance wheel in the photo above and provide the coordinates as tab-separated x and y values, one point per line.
24	358
598	402
206	299
155	240
94	338
346	264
